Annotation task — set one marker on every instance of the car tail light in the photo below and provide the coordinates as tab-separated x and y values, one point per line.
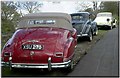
59	54
7	54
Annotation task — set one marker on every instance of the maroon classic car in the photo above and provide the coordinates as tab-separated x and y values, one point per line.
42	40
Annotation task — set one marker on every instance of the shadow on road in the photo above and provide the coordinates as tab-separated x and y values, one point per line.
36	72
82	40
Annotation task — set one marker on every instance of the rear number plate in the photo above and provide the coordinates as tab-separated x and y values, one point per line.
32	47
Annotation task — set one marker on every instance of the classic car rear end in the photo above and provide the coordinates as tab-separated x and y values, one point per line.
104	19
81	21
45	40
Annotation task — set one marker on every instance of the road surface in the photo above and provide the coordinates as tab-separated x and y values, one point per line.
102	59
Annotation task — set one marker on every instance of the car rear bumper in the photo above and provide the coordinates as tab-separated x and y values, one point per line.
103	25
49	65
82	35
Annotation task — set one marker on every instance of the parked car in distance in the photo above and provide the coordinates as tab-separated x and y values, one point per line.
84	25
105	19
114	23
42	40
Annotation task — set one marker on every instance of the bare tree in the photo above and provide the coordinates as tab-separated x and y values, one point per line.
82	6
9	16
95	5
29	6
8	10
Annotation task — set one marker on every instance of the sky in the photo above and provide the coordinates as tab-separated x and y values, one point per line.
63	6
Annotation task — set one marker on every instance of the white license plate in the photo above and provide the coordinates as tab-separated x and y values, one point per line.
32	47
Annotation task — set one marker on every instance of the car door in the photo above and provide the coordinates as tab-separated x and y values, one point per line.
86	27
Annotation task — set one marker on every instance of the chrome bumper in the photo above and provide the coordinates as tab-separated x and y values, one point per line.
49	65
6	64
82	35
103	25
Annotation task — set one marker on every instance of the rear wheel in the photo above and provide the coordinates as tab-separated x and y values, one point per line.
90	37
72	64
96	32
13	69
71	67
110	28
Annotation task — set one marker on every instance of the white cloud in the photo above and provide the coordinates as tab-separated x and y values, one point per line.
63	6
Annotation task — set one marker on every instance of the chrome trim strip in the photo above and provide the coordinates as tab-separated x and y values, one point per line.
4	63
48	65
79	35
42	64
82	35
33	41
71	38
25	65
85	25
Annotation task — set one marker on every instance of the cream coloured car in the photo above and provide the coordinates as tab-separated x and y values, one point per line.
104	19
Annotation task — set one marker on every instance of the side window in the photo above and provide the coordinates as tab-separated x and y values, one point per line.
89	22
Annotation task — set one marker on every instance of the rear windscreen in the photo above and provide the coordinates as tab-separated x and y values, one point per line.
81	17
104	15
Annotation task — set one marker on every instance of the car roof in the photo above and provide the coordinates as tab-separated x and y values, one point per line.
105	13
62	20
49	15
81	13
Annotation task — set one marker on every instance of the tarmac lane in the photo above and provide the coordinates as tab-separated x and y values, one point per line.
101	59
